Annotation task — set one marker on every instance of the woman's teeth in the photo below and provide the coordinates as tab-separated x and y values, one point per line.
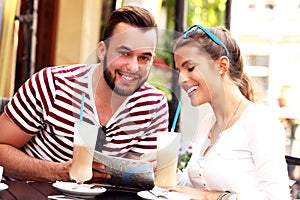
192	89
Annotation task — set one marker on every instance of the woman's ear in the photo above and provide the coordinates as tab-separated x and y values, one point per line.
101	50
222	65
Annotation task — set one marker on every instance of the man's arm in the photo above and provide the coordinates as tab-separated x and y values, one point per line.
19	165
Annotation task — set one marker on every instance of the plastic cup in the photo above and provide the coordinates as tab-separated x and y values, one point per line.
168	145
85	137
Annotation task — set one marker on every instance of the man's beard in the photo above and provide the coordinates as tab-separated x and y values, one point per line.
110	80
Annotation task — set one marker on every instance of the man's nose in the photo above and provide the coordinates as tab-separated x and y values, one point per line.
132	64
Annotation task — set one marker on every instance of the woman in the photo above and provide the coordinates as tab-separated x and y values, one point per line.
245	153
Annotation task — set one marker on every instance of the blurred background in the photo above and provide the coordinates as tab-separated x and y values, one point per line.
39	33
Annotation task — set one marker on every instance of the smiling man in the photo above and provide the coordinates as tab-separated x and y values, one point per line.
36	136
127	58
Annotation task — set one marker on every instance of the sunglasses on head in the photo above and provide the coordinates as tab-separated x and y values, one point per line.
193	29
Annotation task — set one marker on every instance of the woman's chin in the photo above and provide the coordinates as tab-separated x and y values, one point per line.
195	102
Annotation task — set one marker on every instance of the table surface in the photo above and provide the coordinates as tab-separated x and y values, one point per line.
20	190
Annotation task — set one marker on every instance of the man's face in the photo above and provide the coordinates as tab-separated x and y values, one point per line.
128	58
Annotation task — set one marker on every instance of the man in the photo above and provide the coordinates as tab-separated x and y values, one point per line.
36	136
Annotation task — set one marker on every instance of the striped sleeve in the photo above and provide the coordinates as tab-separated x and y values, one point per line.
26	109
46	107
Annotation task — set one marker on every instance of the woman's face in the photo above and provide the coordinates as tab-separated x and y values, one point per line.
196	73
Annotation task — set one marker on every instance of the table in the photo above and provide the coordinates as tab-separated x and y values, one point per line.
21	190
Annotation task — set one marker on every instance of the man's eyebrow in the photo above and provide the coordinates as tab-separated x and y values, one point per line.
148	54
124	48
130	50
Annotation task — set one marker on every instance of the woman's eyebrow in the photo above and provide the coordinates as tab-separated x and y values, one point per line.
185	63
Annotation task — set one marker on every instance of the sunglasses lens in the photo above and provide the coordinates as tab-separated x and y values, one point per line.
101	139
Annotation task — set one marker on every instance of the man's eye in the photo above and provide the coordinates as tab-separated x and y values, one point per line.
144	59
124	53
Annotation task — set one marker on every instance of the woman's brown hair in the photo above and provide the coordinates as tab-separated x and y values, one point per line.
215	51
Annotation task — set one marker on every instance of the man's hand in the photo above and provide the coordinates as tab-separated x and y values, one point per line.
62	171
99	176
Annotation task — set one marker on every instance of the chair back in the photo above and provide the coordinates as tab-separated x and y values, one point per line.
3	102
293	164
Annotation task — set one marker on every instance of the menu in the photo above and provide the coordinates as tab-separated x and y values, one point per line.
127	172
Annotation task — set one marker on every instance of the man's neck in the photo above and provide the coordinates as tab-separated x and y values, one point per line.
106	101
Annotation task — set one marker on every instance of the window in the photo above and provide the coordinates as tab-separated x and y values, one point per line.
251	4
257	67
269	4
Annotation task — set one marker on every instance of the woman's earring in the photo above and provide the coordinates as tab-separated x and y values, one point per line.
220	72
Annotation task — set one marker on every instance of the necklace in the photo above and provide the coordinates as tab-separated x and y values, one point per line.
231	117
233	114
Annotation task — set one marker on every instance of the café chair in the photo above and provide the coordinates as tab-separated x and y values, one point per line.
294	174
3	102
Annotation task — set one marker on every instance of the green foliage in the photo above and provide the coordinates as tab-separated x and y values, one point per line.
160	83
170	7
184	159
206	12
185	155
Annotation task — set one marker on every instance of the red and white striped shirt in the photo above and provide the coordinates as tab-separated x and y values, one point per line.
48	104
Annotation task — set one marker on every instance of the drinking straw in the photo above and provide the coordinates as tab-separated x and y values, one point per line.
176	117
81	106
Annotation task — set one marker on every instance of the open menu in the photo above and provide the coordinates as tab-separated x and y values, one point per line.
128	173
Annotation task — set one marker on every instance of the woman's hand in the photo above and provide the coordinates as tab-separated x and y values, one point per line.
196	193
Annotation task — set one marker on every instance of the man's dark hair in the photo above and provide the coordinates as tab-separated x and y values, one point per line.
133	15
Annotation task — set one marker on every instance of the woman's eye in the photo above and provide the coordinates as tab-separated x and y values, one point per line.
190	69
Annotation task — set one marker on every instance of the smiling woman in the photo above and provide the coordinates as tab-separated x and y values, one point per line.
239	144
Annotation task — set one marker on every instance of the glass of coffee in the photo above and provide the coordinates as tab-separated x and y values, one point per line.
168	145
85	137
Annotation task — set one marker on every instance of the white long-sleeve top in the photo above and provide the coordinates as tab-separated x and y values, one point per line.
248	159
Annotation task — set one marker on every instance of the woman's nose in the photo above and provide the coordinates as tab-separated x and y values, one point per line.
182	79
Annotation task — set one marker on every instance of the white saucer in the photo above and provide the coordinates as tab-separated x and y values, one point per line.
3	186
84	190
171	195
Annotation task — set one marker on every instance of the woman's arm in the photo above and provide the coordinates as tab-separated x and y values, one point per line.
198	193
